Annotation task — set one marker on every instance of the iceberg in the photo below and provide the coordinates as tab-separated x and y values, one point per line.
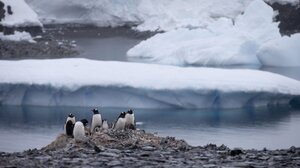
249	40
83	82
281	51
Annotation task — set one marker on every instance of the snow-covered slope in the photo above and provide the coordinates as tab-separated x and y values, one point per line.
147	14
84	82
22	15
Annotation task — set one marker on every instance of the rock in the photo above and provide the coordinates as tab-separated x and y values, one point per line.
148	148
108	154
235	152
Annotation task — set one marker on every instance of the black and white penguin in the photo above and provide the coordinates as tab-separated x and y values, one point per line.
129	117
105	125
96	120
80	134
69	125
120	123
79	130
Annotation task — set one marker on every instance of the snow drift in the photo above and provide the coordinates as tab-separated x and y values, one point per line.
81	82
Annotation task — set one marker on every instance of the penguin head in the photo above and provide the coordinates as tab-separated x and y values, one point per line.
130	111
84	122
95	111
71	115
122	115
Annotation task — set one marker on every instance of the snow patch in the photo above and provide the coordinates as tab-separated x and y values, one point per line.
17	36
82	82
22	15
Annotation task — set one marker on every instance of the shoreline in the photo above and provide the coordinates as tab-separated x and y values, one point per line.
139	149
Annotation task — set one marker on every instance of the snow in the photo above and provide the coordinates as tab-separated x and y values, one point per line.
83	82
22	15
220	43
284	2
281	52
148	15
17	36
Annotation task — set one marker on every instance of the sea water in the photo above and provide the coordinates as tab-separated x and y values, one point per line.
24	127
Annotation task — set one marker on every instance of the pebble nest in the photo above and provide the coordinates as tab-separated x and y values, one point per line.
136	148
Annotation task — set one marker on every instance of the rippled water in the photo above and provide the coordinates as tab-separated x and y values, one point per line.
34	127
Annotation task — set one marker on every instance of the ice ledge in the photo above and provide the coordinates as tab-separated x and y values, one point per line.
83	82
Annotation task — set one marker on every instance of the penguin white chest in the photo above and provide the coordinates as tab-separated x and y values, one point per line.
71	119
129	119
120	124
105	125
78	131
96	121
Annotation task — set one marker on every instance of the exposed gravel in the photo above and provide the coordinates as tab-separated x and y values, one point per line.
140	149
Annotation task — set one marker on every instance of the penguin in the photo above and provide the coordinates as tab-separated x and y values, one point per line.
129	117
105	125
96	120
120	123
79	130
69	125
80	135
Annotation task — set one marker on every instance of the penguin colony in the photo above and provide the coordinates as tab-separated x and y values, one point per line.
78	130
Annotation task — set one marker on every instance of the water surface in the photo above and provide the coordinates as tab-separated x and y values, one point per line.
27	127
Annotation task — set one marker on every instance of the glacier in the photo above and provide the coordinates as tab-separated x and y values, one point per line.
83	82
243	41
154	15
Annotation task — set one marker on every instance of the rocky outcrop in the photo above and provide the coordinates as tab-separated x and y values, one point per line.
288	16
140	149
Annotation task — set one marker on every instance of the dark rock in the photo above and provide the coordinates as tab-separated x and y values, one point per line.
289	17
235	152
9	11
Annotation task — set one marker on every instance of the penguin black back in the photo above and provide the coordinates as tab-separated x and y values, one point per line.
122	115
95	111
130	111
69	128
84	122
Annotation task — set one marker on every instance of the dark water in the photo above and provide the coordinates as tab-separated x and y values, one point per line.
33	127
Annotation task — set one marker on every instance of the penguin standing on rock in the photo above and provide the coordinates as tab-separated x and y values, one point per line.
69	125
120	123
79	130
96	120
129	117
80	135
